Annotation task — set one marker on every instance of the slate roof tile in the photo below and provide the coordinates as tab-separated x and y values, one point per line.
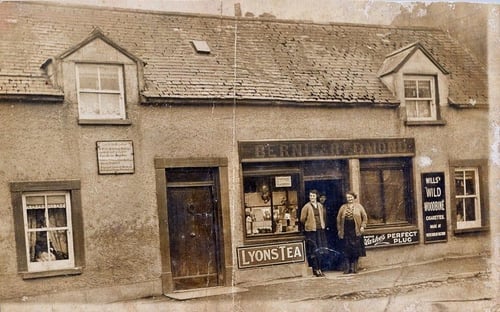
256	59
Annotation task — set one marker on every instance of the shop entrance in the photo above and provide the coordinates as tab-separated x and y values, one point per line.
334	191
193	227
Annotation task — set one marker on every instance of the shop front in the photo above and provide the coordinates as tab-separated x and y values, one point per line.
277	176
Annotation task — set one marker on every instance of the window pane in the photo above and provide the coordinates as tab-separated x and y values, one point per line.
411	109
470	209
59	244
410	88
470	182
424	89
88	77
424	108
110	104
459	183
42	250
57	217
89	104
109	78
372	196
36	218
460	210
394	195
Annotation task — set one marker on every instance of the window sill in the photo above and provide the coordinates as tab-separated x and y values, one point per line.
64	272
425	122
471	230
105	122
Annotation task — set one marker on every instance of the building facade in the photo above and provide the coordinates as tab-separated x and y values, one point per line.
146	153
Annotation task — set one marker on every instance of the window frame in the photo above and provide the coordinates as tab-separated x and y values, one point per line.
122	115
434	107
51	264
72	188
480	167
404	164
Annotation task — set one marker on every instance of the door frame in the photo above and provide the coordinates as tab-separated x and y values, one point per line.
226	256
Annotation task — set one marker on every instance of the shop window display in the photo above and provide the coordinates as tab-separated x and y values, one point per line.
271	205
386	191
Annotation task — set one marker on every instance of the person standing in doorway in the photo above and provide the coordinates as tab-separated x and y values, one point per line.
312	216
351	224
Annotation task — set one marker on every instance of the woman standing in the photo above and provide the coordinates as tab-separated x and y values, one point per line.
351	223
312	216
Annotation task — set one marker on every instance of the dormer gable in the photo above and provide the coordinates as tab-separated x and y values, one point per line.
101	76
100	44
419	81
396	60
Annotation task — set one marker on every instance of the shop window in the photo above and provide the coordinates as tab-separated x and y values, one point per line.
271	204
420	98
45	216
386	191
467	199
100	91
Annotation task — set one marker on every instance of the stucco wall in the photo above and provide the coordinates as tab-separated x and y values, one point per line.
44	142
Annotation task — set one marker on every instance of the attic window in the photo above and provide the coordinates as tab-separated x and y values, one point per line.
201	46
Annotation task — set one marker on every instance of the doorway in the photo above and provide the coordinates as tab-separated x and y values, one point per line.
334	191
194	227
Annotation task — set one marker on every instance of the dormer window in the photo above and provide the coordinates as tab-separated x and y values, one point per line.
100	91
419	97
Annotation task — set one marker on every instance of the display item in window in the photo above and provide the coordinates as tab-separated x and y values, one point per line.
351	223
312	216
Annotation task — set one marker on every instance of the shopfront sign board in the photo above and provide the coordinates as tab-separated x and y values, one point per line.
270	254
275	150
388	239
434	207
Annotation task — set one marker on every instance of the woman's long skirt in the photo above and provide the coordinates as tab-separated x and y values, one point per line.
353	246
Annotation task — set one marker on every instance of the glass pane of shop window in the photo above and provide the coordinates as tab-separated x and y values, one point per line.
394	195
372	196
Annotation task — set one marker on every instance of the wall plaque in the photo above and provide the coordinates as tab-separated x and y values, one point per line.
115	157
434	207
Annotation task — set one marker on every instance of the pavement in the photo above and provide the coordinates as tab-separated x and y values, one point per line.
301	294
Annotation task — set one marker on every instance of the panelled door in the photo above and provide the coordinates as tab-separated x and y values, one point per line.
193	224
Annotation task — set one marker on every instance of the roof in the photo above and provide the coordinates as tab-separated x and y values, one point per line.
250	59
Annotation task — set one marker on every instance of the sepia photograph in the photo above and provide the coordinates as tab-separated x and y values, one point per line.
249	155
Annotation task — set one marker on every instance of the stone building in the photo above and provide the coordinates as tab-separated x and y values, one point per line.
148	152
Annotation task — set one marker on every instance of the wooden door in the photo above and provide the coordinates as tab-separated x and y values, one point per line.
193	226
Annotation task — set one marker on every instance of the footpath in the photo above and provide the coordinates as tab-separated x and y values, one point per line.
318	293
